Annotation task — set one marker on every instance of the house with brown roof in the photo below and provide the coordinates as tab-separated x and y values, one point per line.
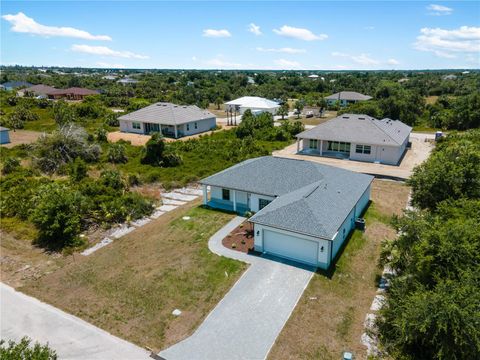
73	93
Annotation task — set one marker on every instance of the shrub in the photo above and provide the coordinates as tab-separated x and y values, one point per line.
63	113
111	119
133	180
116	154
113	179
10	165
153	150
52	151
23	351
101	135
58	216
77	170
171	160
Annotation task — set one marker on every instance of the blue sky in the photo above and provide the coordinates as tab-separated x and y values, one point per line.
323	35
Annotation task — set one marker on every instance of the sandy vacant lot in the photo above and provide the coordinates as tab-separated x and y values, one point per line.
22	137
418	153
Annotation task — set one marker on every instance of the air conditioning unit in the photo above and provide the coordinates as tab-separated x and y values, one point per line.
360	224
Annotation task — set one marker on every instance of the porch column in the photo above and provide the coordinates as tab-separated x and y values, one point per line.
234	200
298	145
176	132
321	147
205	195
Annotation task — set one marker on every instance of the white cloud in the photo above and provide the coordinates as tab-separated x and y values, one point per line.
285	50
24	24
393	62
105	51
369	27
216	33
110	66
254	29
364	59
220	63
194	58
299	33
448	43
439	10
287	64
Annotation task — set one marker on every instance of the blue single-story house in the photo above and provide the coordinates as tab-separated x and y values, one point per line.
4	135
304	211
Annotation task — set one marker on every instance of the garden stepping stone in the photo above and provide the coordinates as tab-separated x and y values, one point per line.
166	201
157	214
377	302
97	246
121	231
141	222
167	207
190	191
178	196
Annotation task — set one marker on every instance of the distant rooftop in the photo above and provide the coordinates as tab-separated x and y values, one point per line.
168	114
349	96
360	129
254	102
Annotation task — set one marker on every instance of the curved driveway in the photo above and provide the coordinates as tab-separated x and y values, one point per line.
246	322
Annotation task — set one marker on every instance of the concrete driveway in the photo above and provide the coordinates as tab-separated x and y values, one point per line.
246	322
71	337
419	152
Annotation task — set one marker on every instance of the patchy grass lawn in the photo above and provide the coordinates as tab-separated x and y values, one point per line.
329	317
131	287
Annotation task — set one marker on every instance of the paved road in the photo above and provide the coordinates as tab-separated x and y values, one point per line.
246	322
71	337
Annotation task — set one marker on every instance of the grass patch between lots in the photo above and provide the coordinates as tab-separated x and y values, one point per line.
131	287
330	315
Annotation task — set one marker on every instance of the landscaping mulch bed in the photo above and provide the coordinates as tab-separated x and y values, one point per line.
240	239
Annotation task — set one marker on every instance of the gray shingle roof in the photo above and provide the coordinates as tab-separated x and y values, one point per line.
313	198
348	95
168	114
40	89
361	129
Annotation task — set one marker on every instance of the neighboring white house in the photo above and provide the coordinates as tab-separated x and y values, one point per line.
169	119
357	137
4	135
254	103
304	211
344	98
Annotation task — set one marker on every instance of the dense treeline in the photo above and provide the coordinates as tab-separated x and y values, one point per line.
432	308
399	95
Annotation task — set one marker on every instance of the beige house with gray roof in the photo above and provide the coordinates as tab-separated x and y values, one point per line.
357	137
169	119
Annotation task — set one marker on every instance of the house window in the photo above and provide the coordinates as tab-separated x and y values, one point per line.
262	203
136	125
313	144
188	127
363	149
339	146
226	194
196	127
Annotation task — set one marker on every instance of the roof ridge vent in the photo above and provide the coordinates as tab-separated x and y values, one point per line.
345	117
361	118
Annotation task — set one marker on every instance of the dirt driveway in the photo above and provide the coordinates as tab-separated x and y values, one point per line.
418	153
22	137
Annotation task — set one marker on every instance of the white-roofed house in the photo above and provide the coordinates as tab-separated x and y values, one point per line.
169	119
253	103
357	137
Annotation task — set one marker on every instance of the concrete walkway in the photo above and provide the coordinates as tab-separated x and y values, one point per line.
246	322
69	336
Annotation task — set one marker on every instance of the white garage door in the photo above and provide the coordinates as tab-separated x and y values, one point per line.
290	247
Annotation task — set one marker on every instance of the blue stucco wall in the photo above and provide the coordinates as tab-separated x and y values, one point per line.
349	222
4	137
